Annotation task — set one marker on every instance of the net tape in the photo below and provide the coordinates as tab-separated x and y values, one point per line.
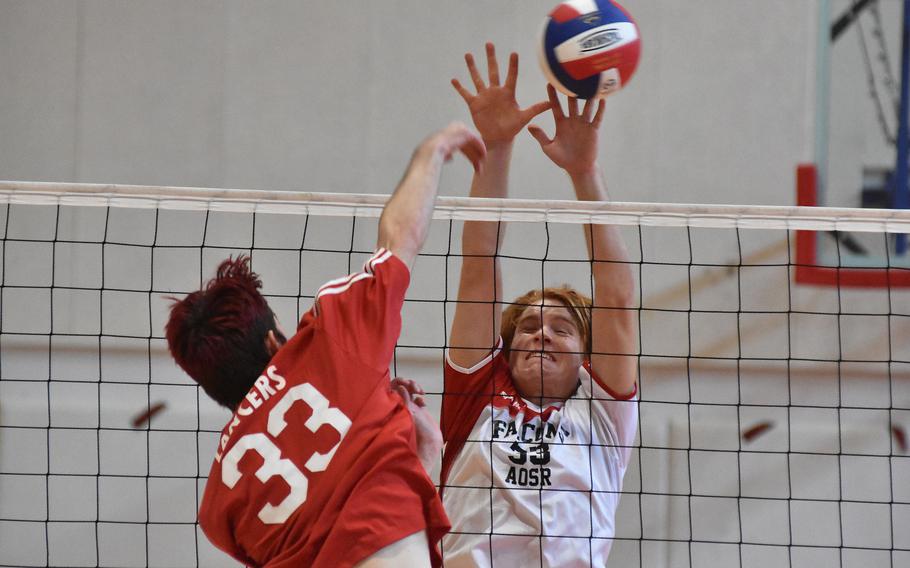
457	208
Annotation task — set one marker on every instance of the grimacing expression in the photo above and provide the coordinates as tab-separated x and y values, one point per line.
546	352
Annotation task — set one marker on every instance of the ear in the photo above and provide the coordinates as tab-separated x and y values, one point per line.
271	343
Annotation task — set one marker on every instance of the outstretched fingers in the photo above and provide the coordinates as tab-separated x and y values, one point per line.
573	107
599	115
539	135
492	65
588	110
554	103
475	74
533	110
512	75
465	94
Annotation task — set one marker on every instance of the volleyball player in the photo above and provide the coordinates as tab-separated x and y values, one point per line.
539	411
320	464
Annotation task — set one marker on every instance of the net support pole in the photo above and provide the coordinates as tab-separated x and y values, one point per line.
901	193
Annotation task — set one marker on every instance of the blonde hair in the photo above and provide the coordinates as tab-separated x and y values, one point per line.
578	304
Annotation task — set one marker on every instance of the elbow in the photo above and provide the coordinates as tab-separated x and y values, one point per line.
624	299
616	291
400	235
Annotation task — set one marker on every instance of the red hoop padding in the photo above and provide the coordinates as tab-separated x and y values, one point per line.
807	269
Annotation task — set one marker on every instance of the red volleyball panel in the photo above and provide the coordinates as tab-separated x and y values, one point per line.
630	54
626	12
624	58
563	13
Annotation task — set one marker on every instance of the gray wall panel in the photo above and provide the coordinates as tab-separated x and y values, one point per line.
38	87
333	97
152	93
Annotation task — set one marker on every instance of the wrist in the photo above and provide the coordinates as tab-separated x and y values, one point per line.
499	146
584	174
493	180
429	155
589	184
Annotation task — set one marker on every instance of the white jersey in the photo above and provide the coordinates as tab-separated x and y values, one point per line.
528	486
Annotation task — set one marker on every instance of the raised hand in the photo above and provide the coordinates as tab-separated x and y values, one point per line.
574	145
495	111
457	137
405	220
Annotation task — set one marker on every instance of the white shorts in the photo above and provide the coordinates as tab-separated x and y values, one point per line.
412	551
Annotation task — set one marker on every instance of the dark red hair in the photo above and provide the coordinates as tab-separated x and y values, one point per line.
218	334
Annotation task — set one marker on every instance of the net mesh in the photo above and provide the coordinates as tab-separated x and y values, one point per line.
772	415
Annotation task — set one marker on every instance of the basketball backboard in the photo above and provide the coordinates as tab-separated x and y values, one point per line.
857	119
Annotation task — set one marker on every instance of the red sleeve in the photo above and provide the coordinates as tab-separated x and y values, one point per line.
362	311
466	393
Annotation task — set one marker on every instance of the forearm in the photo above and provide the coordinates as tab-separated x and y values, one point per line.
483	237
429	454
603	241
406	218
614	325
481	240
612	272
476	323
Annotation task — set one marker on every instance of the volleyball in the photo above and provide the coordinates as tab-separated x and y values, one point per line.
589	48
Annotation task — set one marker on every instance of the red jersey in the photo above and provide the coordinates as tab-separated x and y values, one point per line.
318	465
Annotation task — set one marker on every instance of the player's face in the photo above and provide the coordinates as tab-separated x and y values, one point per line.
546	352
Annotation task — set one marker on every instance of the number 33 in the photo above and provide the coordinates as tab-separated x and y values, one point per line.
273	463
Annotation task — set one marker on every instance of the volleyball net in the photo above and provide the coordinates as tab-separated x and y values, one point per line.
772	413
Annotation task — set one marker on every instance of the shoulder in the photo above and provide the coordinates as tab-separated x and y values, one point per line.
382	265
493	360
